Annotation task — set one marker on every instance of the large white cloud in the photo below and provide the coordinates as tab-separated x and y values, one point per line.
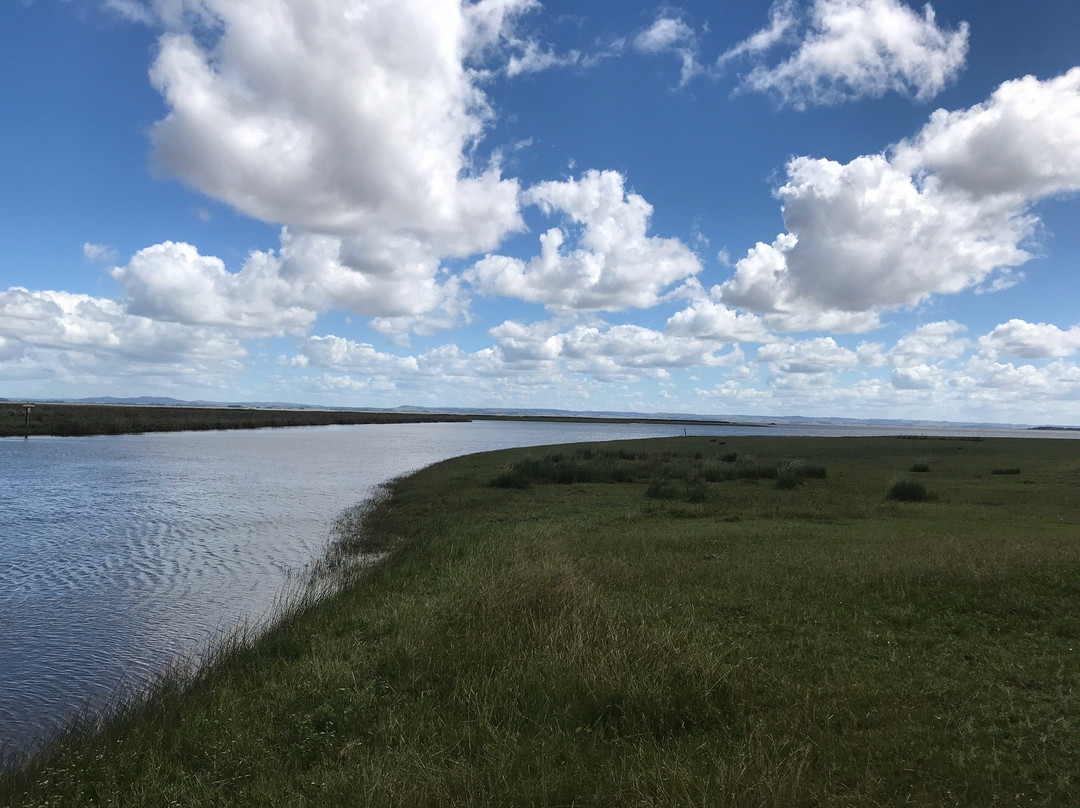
883	232
845	49
614	263
390	278
1030	340
1024	141
336	116
172	281
355	124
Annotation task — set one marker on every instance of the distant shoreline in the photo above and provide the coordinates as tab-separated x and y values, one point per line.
74	420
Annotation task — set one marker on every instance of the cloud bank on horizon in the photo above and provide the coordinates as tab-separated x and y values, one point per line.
830	207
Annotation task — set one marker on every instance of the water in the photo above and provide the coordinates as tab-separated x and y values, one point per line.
120	554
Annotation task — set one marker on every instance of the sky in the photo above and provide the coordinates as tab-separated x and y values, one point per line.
848	208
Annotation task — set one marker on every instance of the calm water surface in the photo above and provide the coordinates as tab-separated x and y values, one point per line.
119	554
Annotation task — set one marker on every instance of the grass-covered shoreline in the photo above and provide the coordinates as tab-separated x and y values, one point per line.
685	621
77	420
74	420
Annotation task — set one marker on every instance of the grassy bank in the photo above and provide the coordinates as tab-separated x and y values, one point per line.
65	420
690	621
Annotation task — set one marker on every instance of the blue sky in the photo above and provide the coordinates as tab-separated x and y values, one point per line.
857	208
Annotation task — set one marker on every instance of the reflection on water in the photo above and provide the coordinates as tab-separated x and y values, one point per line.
121	553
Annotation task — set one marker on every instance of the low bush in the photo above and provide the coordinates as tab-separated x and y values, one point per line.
920	467
661	488
792	473
904	489
1005	471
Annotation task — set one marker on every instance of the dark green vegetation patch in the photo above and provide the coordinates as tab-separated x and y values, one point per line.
580	642
905	489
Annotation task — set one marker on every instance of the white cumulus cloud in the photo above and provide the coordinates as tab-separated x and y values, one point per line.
612	265
78	339
1030	340
847	49
883	232
807	357
931	343
334	116
1024	141
354	124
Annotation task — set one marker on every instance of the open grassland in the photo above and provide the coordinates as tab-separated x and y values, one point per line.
678	622
113	419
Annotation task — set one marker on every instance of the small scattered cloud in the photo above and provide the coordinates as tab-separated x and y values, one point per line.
100	253
130	10
671	34
534	57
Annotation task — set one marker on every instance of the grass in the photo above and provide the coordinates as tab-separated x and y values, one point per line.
586	644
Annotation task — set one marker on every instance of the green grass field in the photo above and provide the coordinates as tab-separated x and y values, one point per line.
679	622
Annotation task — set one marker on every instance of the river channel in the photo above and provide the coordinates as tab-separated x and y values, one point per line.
122	554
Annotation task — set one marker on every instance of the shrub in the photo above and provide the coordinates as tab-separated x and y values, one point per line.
920	467
660	488
1005	471
904	489
730	457
787	478
792	473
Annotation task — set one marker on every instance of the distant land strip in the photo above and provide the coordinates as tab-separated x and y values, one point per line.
69	420
66	420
